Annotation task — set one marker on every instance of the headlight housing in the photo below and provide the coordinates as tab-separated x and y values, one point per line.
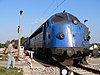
75	21
60	35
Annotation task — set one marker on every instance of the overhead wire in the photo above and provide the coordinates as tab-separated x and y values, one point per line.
47	9
55	9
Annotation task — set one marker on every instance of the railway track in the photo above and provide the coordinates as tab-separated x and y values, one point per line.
95	67
72	70
83	70
91	68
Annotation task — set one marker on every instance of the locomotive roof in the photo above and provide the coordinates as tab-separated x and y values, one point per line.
65	13
37	31
40	28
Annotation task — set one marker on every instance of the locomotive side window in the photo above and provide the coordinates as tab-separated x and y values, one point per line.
47	25
59	17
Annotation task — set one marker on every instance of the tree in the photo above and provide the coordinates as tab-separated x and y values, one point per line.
16	42
2	45
23	39
7	43
99	47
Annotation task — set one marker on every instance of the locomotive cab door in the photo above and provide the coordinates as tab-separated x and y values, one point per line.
47	35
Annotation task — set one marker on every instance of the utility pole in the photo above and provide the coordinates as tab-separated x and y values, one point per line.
20	30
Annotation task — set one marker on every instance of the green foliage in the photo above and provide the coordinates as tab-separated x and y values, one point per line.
23	39
2	45
7	43
99	48
4	71
16	42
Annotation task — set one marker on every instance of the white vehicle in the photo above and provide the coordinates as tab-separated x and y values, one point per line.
94	49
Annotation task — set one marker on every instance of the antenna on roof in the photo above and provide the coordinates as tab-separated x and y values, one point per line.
85	21
64	11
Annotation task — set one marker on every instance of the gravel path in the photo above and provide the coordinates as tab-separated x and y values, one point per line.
39	69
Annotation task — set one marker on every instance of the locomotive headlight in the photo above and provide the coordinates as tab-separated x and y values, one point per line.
60	35
75	21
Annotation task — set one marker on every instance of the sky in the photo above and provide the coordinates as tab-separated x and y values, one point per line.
35	12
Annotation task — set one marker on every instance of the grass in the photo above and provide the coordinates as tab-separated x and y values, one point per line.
4	71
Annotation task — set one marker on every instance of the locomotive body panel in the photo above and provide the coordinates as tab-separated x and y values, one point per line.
62	35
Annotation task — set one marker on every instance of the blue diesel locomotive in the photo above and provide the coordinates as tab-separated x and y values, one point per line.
62	37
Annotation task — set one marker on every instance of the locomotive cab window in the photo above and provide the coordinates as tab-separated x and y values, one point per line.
59	18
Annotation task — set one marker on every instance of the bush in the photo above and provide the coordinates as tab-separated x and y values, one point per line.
2	70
